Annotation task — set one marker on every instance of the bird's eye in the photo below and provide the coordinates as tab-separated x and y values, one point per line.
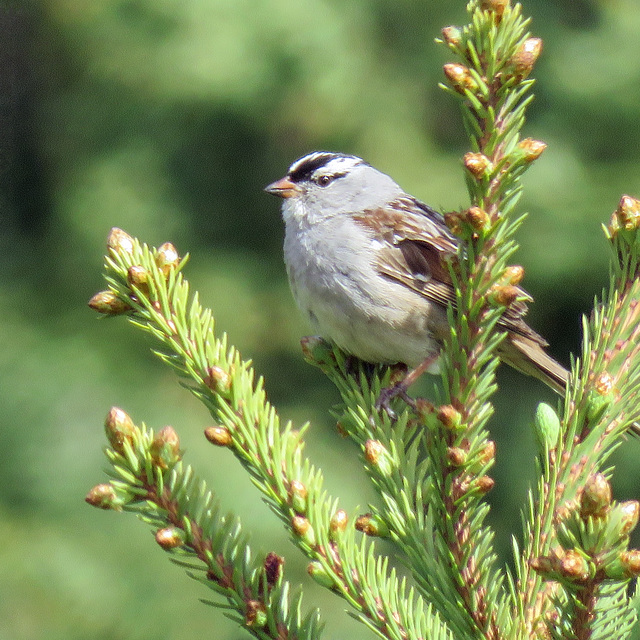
323	181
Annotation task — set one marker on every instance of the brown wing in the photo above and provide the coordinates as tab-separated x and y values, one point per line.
417	248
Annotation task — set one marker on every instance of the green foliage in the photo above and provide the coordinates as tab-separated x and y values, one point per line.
429	463
167	119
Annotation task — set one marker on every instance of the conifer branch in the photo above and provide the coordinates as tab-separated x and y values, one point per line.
431	466
147	285
601	406
393	454
149	479
497	55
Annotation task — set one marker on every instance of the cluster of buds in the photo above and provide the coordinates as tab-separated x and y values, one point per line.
466	485
119	243
601	528
109	302
565	566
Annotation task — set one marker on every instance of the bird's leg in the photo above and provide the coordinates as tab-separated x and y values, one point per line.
400	389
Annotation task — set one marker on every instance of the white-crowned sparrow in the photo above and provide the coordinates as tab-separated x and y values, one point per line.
366	265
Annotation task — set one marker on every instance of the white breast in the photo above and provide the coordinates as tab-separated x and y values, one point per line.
331	267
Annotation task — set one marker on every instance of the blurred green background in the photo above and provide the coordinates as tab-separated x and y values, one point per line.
167	118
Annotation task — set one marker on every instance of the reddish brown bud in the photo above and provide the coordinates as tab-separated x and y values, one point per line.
218	380
542	565
109	303
630	561
255	615
531	148
170	537
525	58
504	296
424	408
477	218
298	494
338	523
604	383
513	274
372	525
103	496
454	220
478	165
456	456
303	529
167	258
459	487
377	455
495	6
220	436
488	453
119	429
452	36
596	497
119	241
273	568
450	417
165	448
484	484
373	449
459	77
630	514
138	276
573	566
629	212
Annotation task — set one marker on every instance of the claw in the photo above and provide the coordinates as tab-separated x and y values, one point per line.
383	403
399	390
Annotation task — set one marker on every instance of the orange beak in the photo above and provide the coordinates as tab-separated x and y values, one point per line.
283	188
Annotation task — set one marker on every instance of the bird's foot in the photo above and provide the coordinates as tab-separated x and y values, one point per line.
399	390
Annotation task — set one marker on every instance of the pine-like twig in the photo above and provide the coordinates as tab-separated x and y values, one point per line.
150	480
148	287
